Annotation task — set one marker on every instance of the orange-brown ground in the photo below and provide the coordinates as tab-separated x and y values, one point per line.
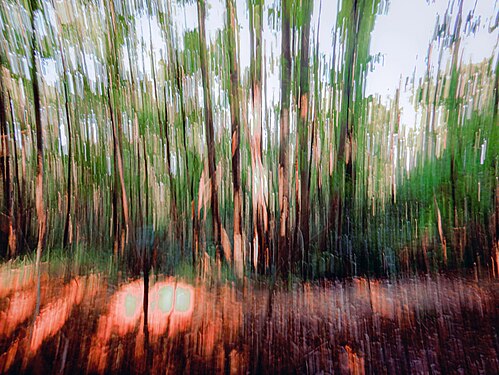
434	324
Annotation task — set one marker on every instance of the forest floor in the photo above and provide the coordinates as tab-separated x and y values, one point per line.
434	324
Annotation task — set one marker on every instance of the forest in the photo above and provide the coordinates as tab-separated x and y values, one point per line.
226	152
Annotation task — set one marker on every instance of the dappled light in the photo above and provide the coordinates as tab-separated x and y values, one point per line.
20	307
170	306
249	186
357	326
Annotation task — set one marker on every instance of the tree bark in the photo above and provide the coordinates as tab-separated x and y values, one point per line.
121	235
6	172
209	129
283	244
40	205
67	225
260	228
235	129
304	199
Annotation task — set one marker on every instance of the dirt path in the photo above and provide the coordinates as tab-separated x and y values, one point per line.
432	324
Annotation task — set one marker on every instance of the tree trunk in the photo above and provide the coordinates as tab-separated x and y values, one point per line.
209	129
6	173
260	231
20	217
235	129
283	244
67	225
40	206
356	21
179	84
304	199
121	235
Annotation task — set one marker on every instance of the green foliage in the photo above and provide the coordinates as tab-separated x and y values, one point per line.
376	187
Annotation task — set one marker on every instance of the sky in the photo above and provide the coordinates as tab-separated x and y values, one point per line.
401	36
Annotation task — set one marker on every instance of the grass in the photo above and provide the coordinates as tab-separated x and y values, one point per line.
82	260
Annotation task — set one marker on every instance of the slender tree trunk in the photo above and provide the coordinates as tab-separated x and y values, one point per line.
20	214
345	146
67	225
304	201
178	82
114	78
173	191
495	189
283	251
356	22
330	235
235	128
254	245
459	233
139	214
315	124
115	221
209	129
40	206
165	129
260	229
6	173
122	233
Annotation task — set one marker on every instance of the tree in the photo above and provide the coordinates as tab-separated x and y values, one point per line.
260	244
40	205
119	193
67	225
235	130
5	161
283	244
208	118
355	21
303	204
